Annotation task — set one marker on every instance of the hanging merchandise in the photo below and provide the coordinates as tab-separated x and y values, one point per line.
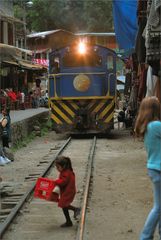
151	83
152	33
140	40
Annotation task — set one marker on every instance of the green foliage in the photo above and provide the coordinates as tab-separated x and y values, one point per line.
46	127
98	15
20	8
72	15
23	143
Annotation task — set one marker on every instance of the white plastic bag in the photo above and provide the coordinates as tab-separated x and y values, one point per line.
4	160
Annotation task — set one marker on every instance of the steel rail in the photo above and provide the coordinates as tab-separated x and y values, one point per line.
80	231
15	210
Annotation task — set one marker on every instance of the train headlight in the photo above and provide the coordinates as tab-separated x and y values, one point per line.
82	48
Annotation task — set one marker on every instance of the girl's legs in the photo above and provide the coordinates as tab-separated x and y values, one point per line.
68	222
76	210
154	216
67	216
5	141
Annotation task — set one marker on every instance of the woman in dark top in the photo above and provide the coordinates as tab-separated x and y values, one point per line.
5	125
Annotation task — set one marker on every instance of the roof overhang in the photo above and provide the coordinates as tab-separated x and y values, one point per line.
11	63
31	66
26	65
95	34
47	33
11	55
50	39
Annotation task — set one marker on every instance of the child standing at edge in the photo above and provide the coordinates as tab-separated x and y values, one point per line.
148	125
66	183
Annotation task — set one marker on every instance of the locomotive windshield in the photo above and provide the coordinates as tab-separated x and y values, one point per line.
90	59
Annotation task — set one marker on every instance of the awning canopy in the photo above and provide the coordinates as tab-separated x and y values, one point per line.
12	55
121	80
11	63
125	22
25	65
30	66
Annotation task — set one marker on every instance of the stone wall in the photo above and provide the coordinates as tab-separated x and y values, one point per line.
21	129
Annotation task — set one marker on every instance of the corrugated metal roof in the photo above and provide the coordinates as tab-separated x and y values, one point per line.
95	34
43	34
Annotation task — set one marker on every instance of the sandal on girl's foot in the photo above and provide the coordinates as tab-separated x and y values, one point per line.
66	224
77	212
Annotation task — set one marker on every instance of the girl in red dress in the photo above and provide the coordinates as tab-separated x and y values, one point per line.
66	183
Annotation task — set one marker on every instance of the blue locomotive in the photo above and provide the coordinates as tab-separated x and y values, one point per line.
82	88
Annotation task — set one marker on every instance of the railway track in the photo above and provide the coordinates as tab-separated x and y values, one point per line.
15	201
81	151
111	211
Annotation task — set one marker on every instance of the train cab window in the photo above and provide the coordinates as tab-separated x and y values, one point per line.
87	60
110	62
54	65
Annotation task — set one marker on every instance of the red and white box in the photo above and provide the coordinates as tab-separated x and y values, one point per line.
46	189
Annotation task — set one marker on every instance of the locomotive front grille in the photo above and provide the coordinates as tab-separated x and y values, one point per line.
65	112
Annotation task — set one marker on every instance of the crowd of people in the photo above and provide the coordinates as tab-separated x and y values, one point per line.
16	100
13	99
19	100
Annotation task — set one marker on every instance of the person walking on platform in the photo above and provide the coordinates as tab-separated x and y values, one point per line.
148	125
5	125
66	183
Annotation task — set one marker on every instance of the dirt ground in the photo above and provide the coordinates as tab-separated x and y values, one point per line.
128	188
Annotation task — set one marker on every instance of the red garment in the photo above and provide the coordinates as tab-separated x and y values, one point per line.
66	182
12	95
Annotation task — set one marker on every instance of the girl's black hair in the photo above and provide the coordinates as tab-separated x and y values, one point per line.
7	110
64	162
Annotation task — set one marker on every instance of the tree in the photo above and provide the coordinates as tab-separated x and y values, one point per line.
55	14
72	15
98	15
